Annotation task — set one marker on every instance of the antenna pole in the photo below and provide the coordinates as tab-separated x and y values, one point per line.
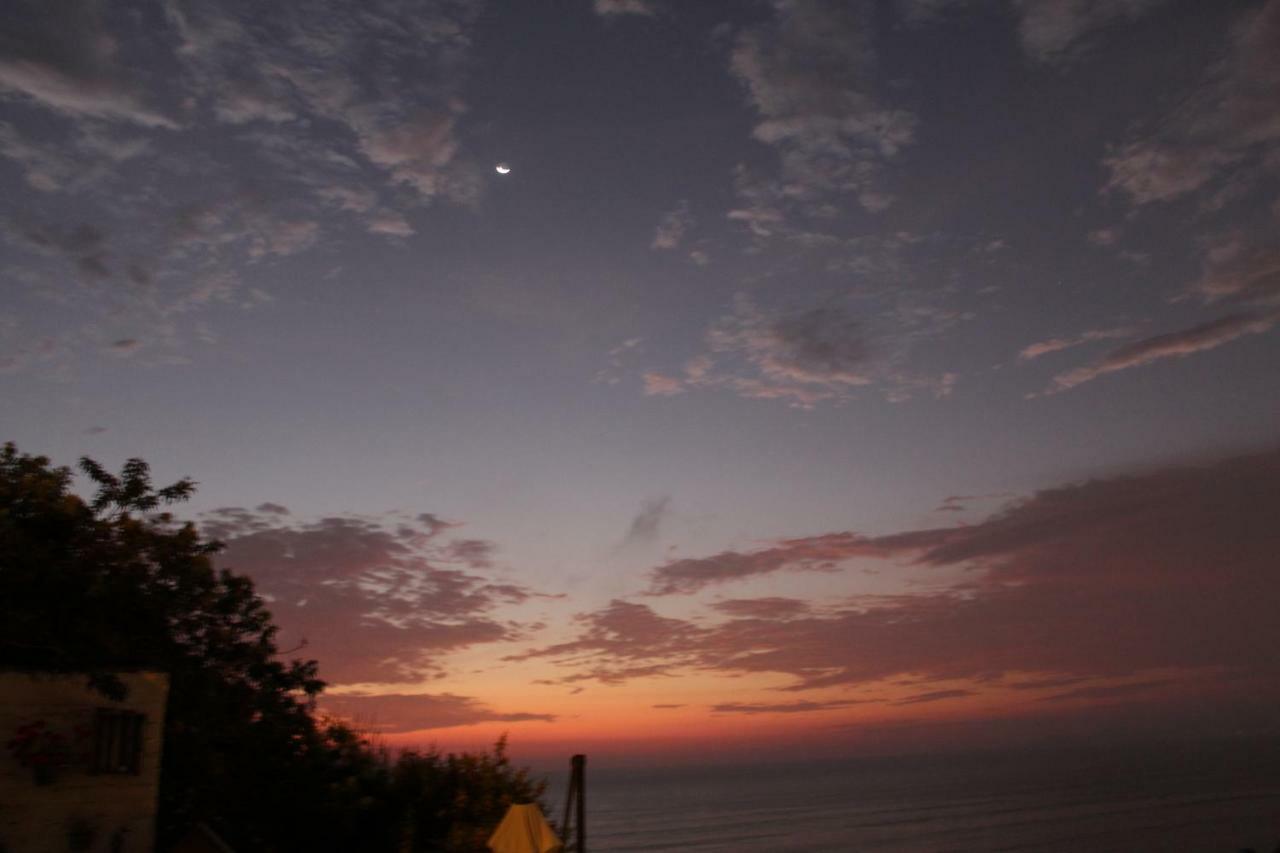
575	802
579	773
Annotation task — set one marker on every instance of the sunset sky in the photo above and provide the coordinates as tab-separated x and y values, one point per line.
823	375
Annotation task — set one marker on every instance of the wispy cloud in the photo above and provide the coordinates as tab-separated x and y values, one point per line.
763	608
1211	149
1179	344
390	713
624	7
801	707
1238	268
934	696
672	227
1108	691
1229	119
816	553
1051	345
646	526
71	63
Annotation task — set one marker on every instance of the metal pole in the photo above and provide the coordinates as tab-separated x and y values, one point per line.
579	775
570	797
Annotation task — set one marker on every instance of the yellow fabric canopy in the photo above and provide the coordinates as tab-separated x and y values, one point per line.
524	830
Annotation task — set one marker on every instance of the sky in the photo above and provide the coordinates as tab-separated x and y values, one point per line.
814	377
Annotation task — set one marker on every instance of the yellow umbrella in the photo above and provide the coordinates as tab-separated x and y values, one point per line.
524	830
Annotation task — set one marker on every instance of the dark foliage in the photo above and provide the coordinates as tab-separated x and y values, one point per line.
115	583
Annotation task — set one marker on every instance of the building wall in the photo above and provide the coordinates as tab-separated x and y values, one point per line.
38	818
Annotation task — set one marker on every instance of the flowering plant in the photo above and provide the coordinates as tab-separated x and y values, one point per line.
34	745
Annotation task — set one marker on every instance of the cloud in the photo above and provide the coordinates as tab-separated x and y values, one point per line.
72	62
1049	31
1151	172
44	169
416	151
401	109
624	7
391	224
1108	691
816	553
475	553
277	237
231	137
1166	571
804	356
762	608
1179	344
433	524
673	227
809	72
917	12
660	385
391	713
647	523
960	503
620	642
375	599
1051	345
808	356
84	245
1215	146
1230	119
801	707
1239	269
934	696
817	346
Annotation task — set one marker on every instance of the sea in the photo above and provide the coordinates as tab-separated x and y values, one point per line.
1223	797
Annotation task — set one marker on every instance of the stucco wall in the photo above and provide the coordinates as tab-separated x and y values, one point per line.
37	818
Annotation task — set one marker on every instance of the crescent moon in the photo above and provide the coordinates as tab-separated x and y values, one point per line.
502	168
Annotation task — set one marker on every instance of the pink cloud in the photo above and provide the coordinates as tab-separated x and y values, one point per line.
660	385
374	601
1052	345
392	713
813	553
1179	344
1170	570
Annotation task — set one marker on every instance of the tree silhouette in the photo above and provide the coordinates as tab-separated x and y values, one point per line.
113	583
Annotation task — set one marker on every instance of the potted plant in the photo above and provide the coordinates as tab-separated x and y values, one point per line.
35	746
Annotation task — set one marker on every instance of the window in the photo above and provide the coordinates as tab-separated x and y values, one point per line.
117	741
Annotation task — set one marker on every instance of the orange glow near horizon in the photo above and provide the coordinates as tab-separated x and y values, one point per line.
641	722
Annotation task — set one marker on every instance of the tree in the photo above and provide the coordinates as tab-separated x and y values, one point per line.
454	802
114	582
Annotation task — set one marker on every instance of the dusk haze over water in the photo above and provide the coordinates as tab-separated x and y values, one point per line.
683	381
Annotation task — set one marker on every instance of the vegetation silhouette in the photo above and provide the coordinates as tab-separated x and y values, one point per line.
116	582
